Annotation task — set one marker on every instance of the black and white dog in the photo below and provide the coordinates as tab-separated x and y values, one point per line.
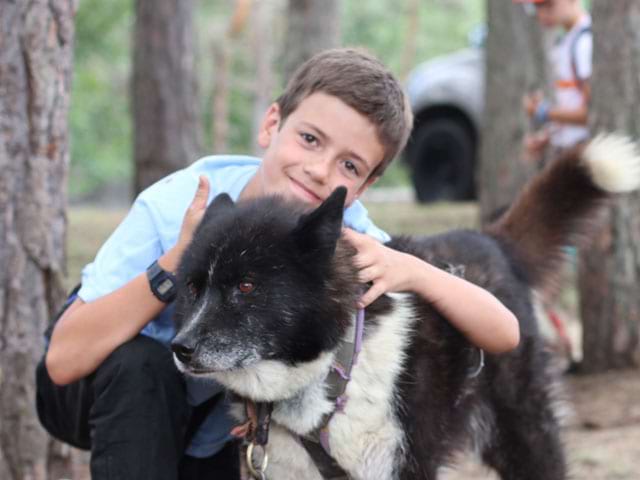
268	294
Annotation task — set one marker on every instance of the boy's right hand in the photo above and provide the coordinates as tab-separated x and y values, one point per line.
195	212
531	101
169	261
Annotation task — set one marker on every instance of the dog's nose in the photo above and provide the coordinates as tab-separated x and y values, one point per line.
183	352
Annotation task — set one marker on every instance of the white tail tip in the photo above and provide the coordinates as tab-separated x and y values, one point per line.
614	162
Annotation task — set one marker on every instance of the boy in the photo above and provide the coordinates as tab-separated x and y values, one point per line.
104	386
564	121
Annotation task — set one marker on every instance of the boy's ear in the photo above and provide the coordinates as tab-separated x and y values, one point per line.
269	125
318	232
220	203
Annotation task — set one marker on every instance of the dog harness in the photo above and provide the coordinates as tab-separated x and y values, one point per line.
317	442
256	429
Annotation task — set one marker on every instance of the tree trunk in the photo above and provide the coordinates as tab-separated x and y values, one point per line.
610	270
36	47
312	26
262	45
167	133
515	65
408	58
223	53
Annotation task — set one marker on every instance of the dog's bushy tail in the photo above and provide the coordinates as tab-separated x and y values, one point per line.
560	206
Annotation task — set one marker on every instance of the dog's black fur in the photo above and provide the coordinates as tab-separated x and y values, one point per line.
303	299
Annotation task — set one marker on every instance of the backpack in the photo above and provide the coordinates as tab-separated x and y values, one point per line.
573	53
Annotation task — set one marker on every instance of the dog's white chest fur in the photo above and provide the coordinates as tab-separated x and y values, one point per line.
365	438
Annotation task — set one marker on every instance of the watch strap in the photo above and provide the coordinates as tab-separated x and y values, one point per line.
161	282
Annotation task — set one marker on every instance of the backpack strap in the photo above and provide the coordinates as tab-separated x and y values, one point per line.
574	55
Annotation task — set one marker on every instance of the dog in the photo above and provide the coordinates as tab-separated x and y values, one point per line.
267	295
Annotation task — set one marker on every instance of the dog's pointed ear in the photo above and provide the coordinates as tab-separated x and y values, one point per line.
319	230
220	203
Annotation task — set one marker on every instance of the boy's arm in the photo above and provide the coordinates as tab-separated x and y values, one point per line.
536	107
577	116
88	333
480	316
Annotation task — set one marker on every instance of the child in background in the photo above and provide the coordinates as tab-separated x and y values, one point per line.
562	123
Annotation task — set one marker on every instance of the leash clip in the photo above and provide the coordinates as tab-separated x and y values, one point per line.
256	471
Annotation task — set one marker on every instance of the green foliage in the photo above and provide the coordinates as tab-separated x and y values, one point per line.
99	118
381	26
100	121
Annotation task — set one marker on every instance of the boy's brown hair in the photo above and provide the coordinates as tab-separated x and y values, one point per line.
362	82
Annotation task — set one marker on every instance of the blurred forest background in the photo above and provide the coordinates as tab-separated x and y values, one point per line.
100	118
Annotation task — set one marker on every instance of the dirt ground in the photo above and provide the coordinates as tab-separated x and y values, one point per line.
602	434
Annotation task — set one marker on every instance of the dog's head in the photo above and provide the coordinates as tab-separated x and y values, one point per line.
262	282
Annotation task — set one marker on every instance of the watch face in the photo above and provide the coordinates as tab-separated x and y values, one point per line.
165	286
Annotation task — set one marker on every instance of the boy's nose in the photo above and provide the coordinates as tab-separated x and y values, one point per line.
318	169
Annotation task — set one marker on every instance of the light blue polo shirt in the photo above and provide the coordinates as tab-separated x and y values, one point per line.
150	229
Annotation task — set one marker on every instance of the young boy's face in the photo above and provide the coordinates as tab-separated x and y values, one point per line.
321	145
555	13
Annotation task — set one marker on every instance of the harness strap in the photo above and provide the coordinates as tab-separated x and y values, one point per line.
256	429
317	442
346	358
328	467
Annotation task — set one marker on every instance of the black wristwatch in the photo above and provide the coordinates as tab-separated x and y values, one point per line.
162	283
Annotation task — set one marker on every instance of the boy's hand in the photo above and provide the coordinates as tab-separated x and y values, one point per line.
388	269
192	218
531	102
195	212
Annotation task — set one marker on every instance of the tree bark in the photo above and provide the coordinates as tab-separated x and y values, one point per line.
262	46
515	65
223	53
167	133
36	58
610	269
312	26
408	58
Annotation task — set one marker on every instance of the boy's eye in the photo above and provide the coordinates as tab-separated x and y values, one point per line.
309	138
246	287
350	166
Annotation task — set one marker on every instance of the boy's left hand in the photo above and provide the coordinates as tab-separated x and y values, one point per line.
389	270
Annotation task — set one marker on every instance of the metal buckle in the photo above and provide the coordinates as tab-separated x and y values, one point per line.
257	472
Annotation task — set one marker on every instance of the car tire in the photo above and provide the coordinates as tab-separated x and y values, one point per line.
442	156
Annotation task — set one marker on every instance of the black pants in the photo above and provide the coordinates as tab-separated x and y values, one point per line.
133	415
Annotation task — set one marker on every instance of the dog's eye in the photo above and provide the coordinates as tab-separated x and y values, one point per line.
246	287
192	289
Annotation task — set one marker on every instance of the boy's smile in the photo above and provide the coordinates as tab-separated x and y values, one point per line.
323	144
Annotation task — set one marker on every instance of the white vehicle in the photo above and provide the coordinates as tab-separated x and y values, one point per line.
447	99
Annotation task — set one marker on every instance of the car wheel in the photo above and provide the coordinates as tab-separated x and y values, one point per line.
442	156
